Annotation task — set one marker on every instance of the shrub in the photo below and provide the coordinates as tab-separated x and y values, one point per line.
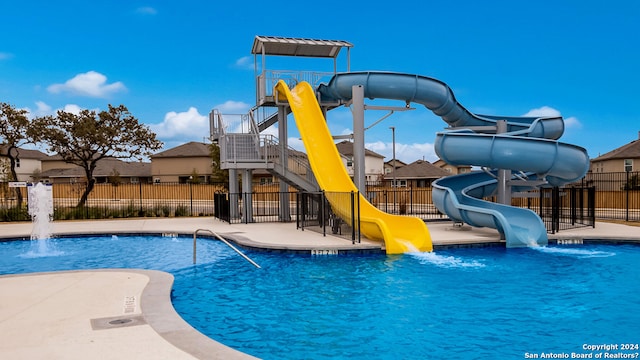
181	211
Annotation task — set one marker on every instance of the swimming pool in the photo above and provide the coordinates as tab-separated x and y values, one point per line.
463	303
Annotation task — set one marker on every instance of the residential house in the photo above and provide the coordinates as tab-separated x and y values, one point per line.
373	162
182	163
623	159
28	163
389	165
418	174
452	169
55	170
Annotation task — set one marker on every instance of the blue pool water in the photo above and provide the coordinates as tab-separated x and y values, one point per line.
459	304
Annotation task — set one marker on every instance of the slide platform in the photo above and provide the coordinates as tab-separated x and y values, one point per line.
401	234
528	145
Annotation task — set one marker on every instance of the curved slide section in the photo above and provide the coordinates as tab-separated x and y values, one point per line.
460	197
400	234
527	144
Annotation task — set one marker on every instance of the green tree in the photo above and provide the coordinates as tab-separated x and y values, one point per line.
217	175
89	137
14	126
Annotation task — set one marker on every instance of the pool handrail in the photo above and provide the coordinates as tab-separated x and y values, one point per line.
195	236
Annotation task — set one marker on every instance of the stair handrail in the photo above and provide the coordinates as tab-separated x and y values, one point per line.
293	161
195	236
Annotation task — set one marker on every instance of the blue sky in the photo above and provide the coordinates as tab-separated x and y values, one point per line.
171	62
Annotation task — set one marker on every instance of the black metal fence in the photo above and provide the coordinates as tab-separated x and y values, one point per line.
562	208
617	195
315	213
598	196
116	201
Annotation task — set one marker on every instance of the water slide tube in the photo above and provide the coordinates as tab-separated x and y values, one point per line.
528	145
400	234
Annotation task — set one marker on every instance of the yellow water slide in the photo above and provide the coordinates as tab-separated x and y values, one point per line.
400	234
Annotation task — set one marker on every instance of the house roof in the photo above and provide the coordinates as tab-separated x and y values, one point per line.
190	149
105	167
419	169
399	163
24	153
346	148
441	163
628	151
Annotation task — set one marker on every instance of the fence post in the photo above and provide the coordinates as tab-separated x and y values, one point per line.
358	222
411	200
353	220
140	189
386	199
627	186
191	195
303	207
322	209
555	209
591	199
574	205
298	210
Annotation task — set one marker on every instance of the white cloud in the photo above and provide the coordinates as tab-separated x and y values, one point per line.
543	111
245	62
92	84
72	109
188	126
572	122
547	111
5	56
233	107
146	10
408	153
43	109
296	143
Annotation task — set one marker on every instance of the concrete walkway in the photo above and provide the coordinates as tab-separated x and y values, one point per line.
127	313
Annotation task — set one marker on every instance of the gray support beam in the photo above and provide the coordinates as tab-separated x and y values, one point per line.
247	196
234	212
504	175
358	138
283	135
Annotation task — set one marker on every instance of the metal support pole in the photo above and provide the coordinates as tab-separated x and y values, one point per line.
504	175
285	210
353	219
247	189
234	191
358	137
393	173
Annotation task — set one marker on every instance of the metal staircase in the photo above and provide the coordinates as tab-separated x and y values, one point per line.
252	150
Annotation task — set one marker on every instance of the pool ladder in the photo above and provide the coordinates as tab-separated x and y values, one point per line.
195	236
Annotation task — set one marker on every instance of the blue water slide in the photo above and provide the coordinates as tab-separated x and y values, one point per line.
529	146
435	96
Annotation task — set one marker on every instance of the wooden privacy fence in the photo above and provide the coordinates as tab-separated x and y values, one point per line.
617	196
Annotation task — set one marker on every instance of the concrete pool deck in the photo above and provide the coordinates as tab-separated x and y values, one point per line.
118	313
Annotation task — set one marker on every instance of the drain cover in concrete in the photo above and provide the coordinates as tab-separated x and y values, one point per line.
116	322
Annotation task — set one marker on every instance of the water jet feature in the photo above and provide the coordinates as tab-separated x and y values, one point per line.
41	211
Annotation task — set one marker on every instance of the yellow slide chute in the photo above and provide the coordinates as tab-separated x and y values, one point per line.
400	234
